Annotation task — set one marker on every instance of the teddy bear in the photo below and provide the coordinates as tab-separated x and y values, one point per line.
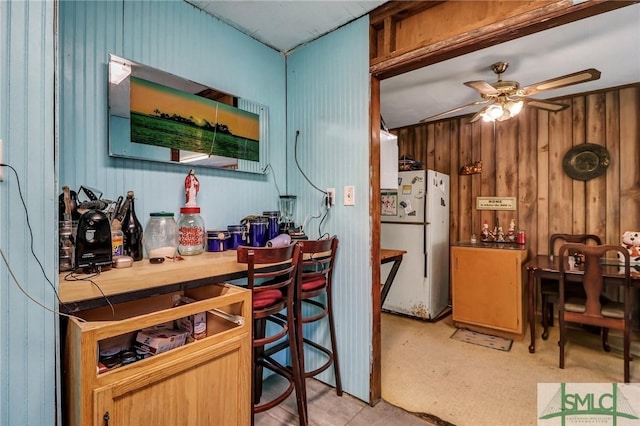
631	241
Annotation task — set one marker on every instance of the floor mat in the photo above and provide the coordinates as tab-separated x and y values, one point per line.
482	339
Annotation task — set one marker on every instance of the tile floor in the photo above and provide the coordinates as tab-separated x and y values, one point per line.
328	409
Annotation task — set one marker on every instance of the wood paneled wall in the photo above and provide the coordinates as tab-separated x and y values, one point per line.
522	158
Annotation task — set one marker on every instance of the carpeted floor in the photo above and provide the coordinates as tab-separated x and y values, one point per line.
425	371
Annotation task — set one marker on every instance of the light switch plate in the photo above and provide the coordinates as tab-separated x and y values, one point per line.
349	195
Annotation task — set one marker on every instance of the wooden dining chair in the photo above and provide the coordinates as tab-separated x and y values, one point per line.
314	302
272	273
594	309
549	287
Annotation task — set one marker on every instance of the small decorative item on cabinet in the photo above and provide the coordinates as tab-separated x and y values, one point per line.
485	234
471	168
498	234
511	234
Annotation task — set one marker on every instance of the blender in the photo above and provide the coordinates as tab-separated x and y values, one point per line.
287	209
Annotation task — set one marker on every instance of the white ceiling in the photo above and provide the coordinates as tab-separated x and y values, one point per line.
609	42
284	25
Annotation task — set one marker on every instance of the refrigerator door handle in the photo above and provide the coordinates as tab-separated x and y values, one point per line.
426	264
424	248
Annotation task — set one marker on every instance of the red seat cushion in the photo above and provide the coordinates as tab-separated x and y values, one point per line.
313	283
262	299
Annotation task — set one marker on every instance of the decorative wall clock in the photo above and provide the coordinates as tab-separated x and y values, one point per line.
586	161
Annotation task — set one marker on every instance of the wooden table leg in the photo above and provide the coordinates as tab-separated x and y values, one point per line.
531	306
392	274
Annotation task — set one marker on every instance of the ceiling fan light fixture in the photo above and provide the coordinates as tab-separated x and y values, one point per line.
502	111
494	112
514	108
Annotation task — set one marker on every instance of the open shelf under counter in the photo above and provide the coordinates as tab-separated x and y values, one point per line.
204	381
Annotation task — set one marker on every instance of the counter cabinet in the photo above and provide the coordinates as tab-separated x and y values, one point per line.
206	381
487	289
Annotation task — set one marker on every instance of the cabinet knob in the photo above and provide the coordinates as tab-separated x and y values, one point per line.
106	418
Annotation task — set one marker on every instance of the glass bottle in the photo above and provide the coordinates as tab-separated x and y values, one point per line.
132	230
117	239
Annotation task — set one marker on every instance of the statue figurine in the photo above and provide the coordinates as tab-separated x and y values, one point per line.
484	235
191	188
500	234
511	234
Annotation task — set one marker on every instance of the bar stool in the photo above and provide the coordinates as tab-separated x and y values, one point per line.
317	274
272	274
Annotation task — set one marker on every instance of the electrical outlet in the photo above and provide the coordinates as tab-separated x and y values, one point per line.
350	195
331	193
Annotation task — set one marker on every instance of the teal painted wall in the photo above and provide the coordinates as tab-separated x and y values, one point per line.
180	39
27	331
328	102
326	98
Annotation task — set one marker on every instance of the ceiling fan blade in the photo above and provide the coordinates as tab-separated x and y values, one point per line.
563	81
451	111
546	105
476	116
483	87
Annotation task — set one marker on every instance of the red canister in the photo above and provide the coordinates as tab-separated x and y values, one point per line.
521	238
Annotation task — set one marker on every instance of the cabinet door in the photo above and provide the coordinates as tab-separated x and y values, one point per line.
207	387
486	288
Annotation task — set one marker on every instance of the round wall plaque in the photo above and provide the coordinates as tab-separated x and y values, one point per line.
586	161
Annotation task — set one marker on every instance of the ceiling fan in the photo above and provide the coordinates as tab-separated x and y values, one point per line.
504	99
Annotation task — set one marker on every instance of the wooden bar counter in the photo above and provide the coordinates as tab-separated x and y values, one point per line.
85	291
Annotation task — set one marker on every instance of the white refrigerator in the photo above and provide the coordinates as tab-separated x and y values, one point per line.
415	218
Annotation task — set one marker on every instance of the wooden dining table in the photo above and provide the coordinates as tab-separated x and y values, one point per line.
386	256
545	266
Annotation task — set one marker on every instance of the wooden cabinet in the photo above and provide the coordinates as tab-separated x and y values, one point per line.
204	382
487	288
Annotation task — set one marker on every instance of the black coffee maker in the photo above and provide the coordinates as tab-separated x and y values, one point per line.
93	242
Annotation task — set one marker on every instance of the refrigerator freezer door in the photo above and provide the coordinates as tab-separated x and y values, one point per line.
411	197
437	186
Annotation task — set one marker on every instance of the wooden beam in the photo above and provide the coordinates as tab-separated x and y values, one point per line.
515	19
375	372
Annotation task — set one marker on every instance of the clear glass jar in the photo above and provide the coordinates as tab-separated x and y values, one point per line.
160	236
191	230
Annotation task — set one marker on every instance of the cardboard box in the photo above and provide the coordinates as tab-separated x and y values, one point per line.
160	339
195	325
